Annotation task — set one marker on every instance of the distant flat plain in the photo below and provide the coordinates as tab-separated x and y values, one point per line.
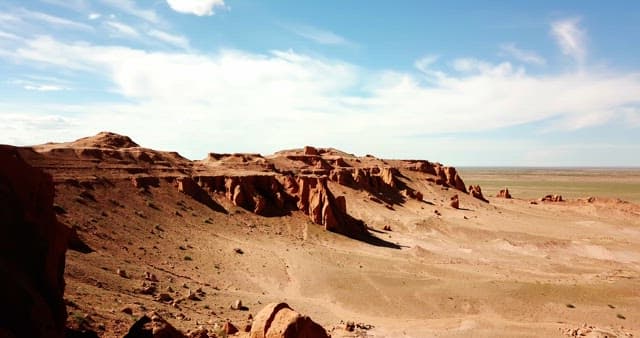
533	183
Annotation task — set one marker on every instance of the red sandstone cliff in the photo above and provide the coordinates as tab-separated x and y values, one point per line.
33	246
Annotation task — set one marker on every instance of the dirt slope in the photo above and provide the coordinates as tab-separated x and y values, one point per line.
254	228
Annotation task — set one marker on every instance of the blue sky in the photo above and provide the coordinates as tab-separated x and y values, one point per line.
469	83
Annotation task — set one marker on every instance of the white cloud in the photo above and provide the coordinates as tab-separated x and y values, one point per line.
122	29
570	37
172	39
94	16
18	18
44	87
129	7
318	35
314	101
196	7
522	55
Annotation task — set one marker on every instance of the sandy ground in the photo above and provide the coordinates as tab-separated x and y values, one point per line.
507	268
501	269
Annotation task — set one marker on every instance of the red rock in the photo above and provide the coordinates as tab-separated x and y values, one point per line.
105	140
278	320
341	204
33	245
552	198
504	193
476	192
230	328
455	202
145	181
308	150
453	179
151	325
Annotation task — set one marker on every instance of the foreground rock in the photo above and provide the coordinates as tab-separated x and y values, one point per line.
152	325
278	320
33	246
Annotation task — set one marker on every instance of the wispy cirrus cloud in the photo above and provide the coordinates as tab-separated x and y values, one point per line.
318	35
571	38
122	29
129	7
196	7
171	39
18	18
526	56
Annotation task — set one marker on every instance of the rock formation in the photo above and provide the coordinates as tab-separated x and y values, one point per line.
276	185
153	326
504	193
552	198
454	202
476	192
33	246
278	320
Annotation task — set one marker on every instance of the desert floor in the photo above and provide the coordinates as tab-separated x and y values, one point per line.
504	269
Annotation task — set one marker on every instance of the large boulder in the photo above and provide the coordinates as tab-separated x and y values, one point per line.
278	320
32	252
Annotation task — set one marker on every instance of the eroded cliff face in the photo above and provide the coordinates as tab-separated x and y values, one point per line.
32	247
288	181
276	195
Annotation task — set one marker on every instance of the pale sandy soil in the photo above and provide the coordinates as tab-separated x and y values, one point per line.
501	269
507	268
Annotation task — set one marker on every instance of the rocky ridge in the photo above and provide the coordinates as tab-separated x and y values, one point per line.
292	180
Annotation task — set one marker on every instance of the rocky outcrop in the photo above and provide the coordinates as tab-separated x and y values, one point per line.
106	140
261	193
33	246
454	202
189	187
314	198
268	186
476	192
278	320
308	150
275	195
144	182
446	176
504	193
552	198
151	325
